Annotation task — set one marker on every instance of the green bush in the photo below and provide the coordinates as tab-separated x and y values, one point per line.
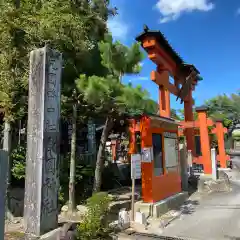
19	162
95	224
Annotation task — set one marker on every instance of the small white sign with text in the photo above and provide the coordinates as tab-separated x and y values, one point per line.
136	171
147	155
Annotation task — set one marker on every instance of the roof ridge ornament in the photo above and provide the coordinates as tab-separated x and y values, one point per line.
145	28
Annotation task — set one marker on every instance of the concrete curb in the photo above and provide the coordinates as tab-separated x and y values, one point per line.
52	235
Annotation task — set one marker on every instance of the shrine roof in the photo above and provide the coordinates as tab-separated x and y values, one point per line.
164	43
190	66
202	108
156	117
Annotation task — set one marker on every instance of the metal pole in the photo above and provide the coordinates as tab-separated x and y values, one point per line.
133	197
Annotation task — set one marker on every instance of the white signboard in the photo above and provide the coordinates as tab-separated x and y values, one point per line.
170	135
147	155
171	150
136	172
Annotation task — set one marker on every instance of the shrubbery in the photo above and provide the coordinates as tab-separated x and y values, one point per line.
19	162
95	224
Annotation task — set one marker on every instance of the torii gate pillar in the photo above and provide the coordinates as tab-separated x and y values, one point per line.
204	138
164	94
220	131
188	116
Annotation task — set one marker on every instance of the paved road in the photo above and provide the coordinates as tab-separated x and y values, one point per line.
217	217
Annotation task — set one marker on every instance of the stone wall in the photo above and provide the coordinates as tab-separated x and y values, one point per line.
16	201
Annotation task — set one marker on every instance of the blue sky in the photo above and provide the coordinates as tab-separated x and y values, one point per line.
204	33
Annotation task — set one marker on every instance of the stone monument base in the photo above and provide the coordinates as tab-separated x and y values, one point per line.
157	209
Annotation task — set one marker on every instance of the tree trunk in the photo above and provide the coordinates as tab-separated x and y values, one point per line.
72	204
19	132
100	155
7	142
17	4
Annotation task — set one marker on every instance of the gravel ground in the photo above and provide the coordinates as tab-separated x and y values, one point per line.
14	236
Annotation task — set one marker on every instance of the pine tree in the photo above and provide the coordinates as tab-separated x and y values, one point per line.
112	100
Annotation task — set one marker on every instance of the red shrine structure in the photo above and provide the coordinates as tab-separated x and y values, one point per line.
159	135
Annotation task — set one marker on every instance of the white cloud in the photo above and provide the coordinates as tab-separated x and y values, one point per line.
118	28
172	9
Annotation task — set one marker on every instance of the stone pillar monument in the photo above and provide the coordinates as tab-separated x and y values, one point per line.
3	186
42	162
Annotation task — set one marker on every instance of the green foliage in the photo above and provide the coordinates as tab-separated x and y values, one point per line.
180	114
181	139
107	96
223	107
19	162
175	115
152	107
120	59
227	122
111	98
95	224
61	197
210	128
83	178
83	170
71	27
13	60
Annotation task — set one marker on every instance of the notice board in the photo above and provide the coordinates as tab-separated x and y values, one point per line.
171	150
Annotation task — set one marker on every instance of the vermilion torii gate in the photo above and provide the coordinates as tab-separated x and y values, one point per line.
185	76
169	63
201	127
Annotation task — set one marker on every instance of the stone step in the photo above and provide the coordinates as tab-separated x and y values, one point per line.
115	207
122	197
